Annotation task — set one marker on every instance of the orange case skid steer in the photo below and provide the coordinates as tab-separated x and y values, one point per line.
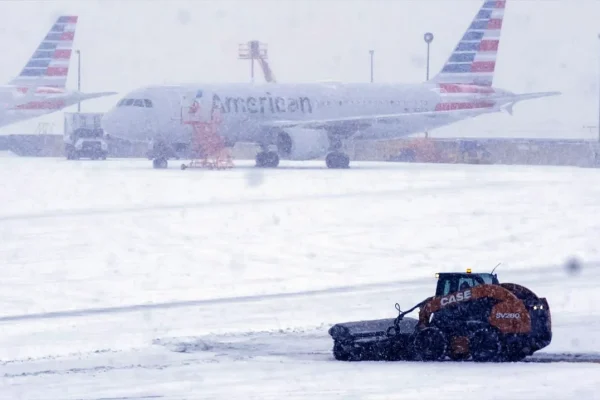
471	317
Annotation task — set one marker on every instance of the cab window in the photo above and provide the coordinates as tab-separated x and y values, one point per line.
148	103
466	283
455	283
138	103
447	286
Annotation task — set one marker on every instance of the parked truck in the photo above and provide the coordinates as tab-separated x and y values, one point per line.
84	136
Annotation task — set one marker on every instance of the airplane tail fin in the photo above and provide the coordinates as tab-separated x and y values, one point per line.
49	64
474	58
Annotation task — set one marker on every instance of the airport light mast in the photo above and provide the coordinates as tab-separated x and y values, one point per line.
371	54
255	50
428	37
78	77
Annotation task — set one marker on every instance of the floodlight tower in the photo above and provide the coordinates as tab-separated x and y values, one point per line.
599	99
371	52
255	50
428	37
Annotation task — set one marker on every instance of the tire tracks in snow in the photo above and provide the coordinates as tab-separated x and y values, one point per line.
219	203
540	273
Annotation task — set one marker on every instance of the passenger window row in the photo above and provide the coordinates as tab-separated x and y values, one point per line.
135	103
405	103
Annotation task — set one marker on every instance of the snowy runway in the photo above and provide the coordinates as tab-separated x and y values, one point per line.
120	280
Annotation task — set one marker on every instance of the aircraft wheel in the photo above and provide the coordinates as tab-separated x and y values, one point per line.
267	159
337	160
159	163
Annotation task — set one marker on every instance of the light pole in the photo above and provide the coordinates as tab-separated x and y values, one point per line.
371	52
428	37
78	77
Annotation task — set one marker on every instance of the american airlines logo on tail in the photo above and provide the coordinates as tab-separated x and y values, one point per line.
474	58
49	64
40	87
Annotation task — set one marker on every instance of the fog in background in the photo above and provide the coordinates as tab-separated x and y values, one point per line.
545	46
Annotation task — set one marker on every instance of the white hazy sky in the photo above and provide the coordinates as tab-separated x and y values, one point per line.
545	45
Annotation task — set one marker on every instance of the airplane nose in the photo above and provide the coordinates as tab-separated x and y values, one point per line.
125	124
110	123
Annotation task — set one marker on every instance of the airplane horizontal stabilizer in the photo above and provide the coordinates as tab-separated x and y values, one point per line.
509	103
530	96
88	96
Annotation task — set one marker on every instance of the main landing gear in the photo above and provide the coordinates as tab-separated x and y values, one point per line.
160	163
267	159
336	159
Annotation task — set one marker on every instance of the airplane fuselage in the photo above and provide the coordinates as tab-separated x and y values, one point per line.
244	109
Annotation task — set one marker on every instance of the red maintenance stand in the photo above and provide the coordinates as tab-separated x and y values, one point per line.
208	148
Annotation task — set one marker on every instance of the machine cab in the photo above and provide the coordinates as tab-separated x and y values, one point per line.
449	282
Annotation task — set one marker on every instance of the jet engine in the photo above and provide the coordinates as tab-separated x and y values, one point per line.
302	144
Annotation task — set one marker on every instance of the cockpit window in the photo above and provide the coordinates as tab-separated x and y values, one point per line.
146	103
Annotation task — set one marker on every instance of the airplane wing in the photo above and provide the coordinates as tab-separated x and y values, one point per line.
89	96
357	122
502	103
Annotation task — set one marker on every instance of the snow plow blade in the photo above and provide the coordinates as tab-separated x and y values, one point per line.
376	340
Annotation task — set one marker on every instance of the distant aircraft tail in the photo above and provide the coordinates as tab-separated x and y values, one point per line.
49	64
474	58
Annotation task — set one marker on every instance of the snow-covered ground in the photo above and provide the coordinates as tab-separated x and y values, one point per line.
120	281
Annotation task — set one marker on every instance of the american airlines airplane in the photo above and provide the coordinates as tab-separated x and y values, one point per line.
307	121
40	88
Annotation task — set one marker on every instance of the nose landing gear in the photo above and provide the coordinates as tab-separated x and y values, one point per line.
160	153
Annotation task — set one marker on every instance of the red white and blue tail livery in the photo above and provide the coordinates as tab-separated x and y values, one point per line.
49	64
41	87
328	113
473	61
